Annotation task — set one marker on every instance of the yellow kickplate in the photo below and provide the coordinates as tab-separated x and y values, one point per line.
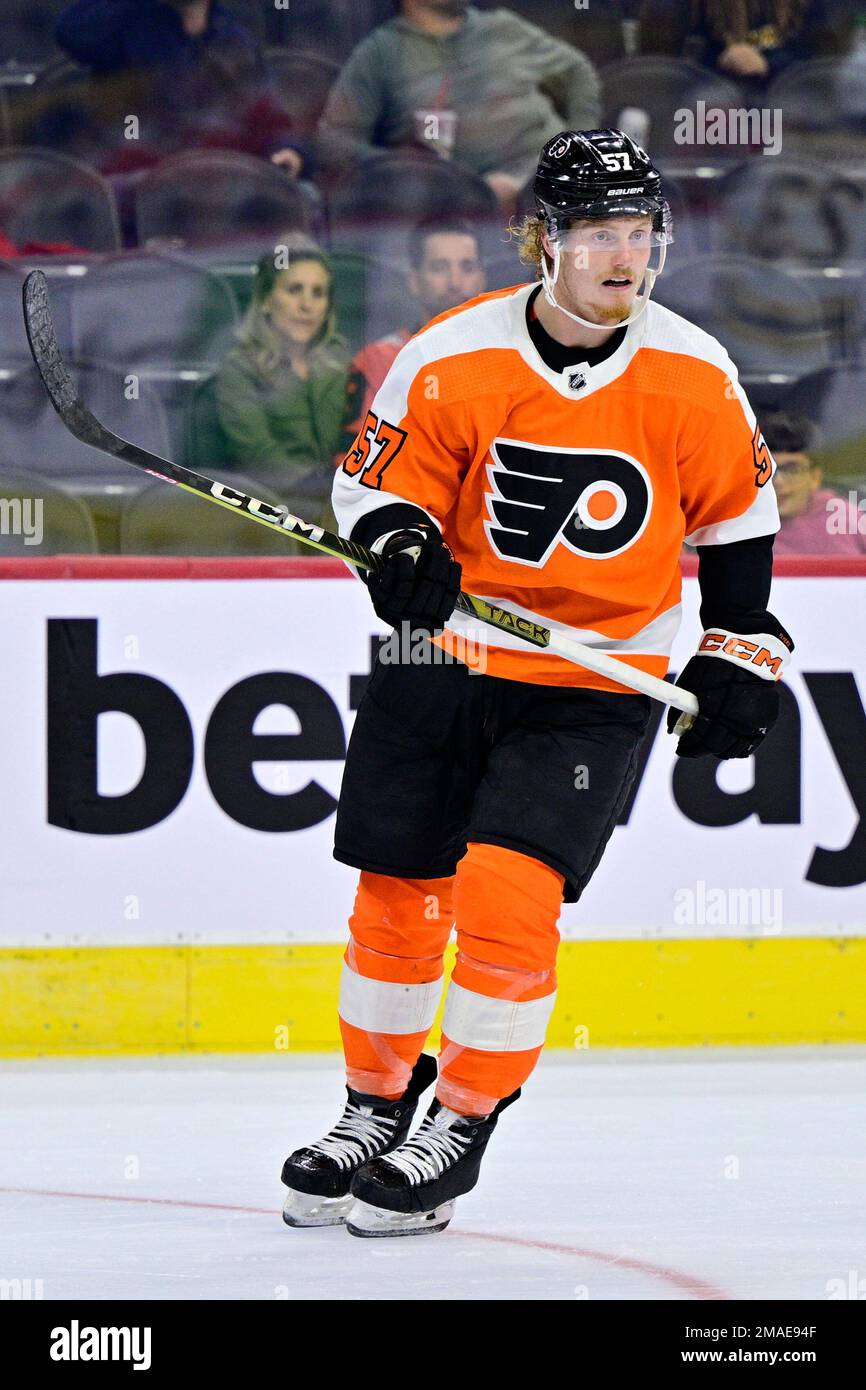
673	993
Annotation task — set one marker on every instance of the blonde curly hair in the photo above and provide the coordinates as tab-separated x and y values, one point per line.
527	234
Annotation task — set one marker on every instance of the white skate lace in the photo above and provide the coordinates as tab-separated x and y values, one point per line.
355	1137
433	1147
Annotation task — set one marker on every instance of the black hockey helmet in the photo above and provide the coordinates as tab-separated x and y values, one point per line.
598	173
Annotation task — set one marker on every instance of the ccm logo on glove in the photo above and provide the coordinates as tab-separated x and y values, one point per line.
763	654
734	676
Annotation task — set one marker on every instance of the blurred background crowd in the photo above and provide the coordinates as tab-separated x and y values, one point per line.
246	207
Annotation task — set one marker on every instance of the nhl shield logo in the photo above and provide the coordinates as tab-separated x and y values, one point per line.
576	381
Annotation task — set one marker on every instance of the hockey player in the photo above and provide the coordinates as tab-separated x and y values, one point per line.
549	446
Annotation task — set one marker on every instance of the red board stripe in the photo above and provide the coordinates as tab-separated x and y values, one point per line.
320	567
171	567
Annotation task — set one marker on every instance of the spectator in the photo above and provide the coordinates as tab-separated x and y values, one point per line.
756	39
197	78
815	520
280	392
445	270
483	86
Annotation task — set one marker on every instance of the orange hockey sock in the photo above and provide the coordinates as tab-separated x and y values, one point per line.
392	977
504	984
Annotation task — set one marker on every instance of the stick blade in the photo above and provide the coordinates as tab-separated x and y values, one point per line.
42	338
62	391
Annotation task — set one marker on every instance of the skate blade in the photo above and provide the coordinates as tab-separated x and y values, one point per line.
305	1209
369	1221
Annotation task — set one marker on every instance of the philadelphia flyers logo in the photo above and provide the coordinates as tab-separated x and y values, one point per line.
595	502
561	147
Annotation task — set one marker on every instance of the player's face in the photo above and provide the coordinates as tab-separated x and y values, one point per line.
449	274
602	267
795	479
298	303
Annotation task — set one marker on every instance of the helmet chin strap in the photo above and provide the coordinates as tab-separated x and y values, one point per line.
548	281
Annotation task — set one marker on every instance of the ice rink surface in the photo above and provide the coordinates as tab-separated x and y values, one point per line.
721	1174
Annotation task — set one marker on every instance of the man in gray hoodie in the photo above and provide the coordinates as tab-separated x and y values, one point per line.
483	87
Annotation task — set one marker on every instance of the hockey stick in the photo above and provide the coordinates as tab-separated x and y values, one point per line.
80	421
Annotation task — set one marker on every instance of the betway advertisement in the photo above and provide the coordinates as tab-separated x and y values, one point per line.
173	750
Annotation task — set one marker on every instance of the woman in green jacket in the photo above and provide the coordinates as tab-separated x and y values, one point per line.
281	391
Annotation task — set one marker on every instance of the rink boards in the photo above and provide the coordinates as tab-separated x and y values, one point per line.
174	741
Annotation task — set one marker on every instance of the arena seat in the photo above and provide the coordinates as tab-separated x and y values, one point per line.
810	94
797	209
48	197
303	81
176	315
767	320
30	429
210	198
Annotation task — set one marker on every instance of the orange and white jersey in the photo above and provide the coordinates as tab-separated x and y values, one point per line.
565	496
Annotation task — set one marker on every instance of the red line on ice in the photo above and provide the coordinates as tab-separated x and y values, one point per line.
688	1283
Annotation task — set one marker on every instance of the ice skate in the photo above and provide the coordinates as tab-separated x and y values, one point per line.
318	1176
413	1188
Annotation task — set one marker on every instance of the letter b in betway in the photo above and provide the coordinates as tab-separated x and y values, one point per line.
78	694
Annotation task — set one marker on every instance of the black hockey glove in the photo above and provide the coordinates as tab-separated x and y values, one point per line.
734	677
419	580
